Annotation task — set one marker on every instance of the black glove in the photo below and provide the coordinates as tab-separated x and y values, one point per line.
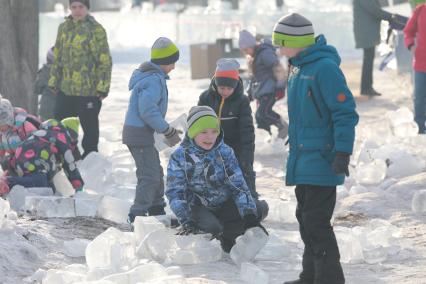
188	229
340	164
251	221
172	136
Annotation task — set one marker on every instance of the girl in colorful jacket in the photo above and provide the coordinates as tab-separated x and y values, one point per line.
205	186
36	160
415	41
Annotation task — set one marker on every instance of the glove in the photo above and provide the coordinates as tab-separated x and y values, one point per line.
340	164
172	136
102	95
251	221
4	186
189	228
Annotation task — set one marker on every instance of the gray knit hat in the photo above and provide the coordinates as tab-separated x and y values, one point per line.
6	112
84	2
226	73
246	40
294	31
201	118
164	52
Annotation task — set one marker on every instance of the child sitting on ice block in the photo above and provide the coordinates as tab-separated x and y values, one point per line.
205	186
36	160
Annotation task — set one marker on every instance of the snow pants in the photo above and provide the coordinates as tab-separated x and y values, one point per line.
420	100
265	116
321	258
367	69
87	109
149	197
37	179
225	222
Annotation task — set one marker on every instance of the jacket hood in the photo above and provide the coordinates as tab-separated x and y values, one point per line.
238	91
315	52
145	69
189	145
265	44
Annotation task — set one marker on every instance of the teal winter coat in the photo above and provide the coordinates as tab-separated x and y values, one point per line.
322	116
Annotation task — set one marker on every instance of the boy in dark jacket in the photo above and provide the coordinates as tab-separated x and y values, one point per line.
226	97
322	118
46	107
205	186
263	86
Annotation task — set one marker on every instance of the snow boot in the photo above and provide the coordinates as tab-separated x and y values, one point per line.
156	210
282	129
299	281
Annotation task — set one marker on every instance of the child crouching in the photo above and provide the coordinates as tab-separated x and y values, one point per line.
205	186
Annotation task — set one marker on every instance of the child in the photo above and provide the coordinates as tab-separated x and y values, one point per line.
46	108
15	126
263	85
145	114
35	161
322	119
226	96
415	40
205	186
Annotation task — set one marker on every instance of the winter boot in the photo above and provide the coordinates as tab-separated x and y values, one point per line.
299	281
282	129
156	210
226	244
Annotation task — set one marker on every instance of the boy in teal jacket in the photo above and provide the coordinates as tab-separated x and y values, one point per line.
322	120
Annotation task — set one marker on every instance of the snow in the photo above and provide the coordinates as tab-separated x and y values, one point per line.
380	211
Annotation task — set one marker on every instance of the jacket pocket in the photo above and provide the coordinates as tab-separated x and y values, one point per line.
314	101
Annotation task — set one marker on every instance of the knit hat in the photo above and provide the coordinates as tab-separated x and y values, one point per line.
84	2
72	124
294	31
164	52
6	112
226	73
246	40
50	55
201	118
417	2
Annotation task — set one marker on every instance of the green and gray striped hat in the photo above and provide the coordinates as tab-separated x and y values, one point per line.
164	52
201	118
294	31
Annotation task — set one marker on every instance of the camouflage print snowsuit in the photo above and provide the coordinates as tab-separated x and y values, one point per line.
209	178
40	153
82	62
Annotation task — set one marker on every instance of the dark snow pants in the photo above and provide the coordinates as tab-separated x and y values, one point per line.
321	258
37	179
265	116
367	69
87	109
225	222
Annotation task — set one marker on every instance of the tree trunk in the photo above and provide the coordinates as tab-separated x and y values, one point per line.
19	52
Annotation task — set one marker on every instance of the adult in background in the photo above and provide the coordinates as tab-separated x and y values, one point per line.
81	71
367	16
263	86
322	118
145	115
47	102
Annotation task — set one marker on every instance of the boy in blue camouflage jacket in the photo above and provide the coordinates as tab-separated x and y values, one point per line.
205	186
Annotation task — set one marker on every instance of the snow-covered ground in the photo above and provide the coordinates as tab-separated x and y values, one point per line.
381	232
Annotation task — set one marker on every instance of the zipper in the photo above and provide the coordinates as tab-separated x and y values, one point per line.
315	102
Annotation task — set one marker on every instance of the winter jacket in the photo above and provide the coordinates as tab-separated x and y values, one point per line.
236	120
41	152
209	178
82	61
367	15
147	105
265	59
24	125
322	116
415	33
47	102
